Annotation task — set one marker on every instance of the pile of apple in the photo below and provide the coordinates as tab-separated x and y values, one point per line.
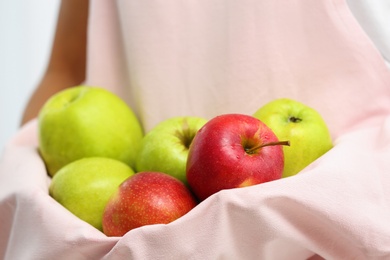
111	174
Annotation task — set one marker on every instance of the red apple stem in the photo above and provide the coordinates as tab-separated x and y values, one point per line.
253	149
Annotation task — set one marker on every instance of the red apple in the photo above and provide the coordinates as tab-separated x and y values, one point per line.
146	198
232	151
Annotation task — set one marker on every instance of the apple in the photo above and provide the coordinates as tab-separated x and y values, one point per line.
85	121
303	126
85	186
232	151
146	198
165	147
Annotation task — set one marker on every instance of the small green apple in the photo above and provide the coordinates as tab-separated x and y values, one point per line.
87	121
165	147
85	186
303	126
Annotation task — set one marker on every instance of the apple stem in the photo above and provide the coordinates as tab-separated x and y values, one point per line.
294	119
253	149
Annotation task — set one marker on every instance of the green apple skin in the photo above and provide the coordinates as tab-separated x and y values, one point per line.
85	186
303	126
85	121
165	147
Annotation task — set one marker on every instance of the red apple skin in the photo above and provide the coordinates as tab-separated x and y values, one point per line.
146	198
218	158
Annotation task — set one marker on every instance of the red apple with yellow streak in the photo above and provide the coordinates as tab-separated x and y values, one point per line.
146	198
232	151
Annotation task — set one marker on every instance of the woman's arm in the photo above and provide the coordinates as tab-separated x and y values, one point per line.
66	67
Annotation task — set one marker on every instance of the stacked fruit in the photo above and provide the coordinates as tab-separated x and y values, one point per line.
106	171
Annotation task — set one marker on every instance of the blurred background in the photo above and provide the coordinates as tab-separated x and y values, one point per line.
26	34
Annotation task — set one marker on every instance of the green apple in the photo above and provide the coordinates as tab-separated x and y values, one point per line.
165	147
85	121
303	126
85	186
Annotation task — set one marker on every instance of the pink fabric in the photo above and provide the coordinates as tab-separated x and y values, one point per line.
211	57
206	58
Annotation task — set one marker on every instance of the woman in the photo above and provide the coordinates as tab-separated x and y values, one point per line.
206	58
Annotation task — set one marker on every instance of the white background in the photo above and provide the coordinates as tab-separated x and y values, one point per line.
26	34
